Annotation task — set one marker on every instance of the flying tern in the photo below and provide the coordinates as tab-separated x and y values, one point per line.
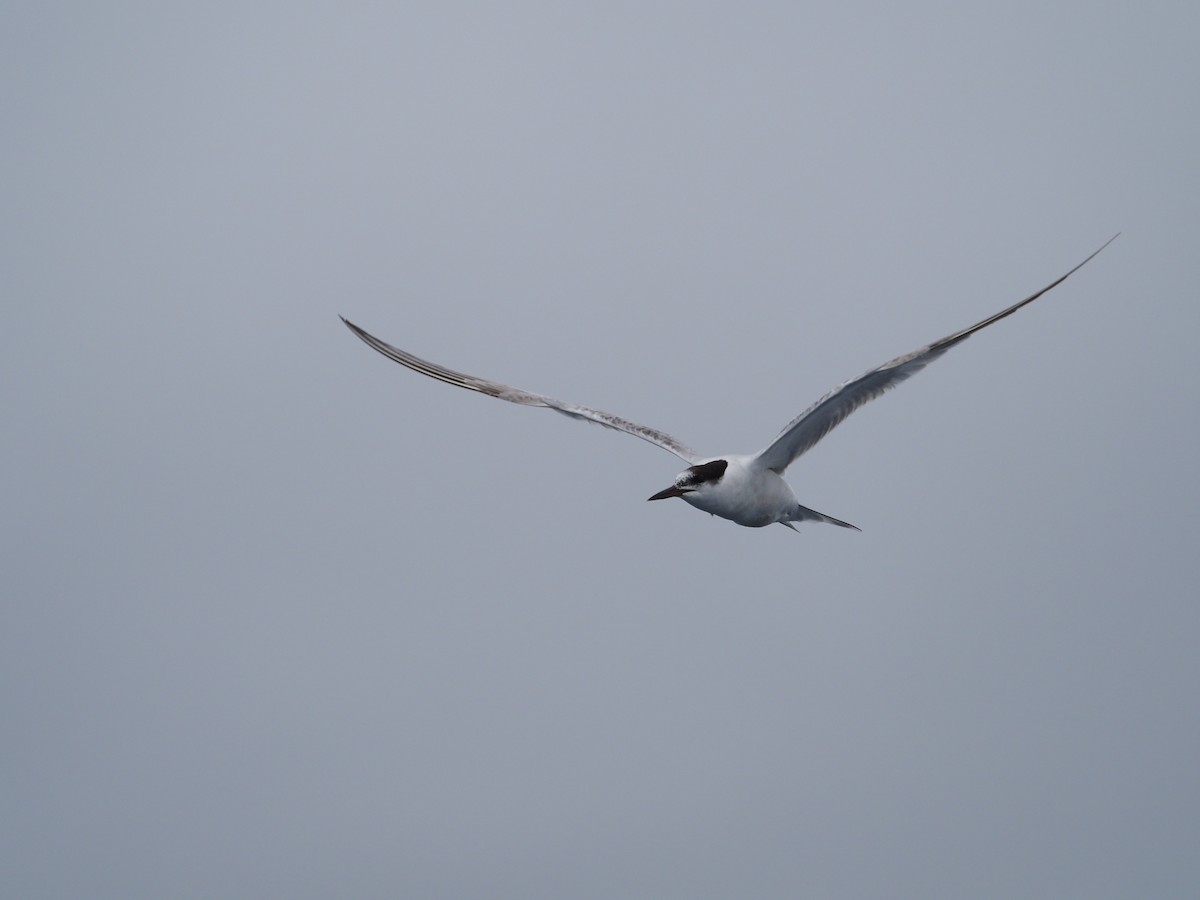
746	489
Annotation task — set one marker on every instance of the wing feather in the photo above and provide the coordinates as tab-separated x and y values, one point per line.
804	431
525	398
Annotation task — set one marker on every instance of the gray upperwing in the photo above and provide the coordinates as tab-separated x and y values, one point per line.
804	431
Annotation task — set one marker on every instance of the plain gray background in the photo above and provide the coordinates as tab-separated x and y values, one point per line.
282	619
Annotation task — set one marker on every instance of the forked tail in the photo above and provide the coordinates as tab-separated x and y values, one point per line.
803	513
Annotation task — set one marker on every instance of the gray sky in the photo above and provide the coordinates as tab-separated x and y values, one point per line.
284	619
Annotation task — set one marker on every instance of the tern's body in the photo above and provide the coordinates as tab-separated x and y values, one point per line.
746	489
746	493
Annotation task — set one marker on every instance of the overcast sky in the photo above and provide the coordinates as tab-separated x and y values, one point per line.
284	619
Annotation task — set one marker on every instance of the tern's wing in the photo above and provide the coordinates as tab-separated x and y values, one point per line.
819	419
515	395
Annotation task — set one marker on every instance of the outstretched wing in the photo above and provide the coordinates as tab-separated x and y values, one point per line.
804	431
516	395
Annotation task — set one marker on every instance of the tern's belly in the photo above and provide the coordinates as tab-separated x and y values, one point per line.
752	508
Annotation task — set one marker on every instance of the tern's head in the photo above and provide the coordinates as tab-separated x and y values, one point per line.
694	478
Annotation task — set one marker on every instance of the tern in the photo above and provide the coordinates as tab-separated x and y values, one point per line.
747	489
